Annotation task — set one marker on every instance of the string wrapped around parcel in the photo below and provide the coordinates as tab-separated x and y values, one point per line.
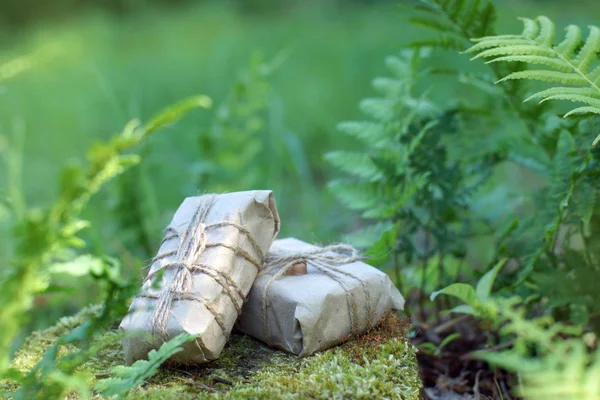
212	251
338	296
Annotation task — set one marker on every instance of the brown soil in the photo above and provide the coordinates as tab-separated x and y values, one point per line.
453	373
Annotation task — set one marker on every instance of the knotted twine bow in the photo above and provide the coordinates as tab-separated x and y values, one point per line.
192	243
326	260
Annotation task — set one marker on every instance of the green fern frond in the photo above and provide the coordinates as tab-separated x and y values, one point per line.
516	50
595	74
475	19
389	86
594	102
531	29
399	197
495	41
584	204
570	62
45	234
129	377
572	39
433	23
533	59
585	110
588	53
562	91
453	21
354	195
563	167
380	109
546	33
359	165
482	81
365	237
557	197
400	66
416	184
547	76
443	42
566	367
368	132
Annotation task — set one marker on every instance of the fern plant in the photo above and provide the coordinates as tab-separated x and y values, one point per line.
567	366
241	133
136	212
454	23
47	246
554	247
405	182
248	144
129	377
460	21
56	373
567	205
572	62
551	359
556	150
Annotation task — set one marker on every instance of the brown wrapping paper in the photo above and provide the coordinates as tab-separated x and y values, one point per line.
212	251
306	313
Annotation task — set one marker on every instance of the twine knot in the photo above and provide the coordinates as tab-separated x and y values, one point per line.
186	261
326	260
192	244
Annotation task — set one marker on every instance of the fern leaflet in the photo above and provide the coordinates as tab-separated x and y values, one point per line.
47	235
570	63
565	367
461	19
127	378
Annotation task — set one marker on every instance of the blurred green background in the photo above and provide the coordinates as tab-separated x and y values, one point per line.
75	71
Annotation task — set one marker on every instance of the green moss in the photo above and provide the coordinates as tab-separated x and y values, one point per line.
381	364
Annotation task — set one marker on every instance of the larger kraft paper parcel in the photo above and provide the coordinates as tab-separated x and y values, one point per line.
336	296
212	251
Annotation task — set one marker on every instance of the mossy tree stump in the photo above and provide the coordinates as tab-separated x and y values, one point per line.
380	364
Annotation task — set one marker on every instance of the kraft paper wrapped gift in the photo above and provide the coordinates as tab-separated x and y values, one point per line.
211	253
308	298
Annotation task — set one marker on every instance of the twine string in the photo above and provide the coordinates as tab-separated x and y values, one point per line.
185	260
326	260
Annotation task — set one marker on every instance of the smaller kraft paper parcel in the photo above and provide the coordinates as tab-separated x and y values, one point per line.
309	298
197	284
